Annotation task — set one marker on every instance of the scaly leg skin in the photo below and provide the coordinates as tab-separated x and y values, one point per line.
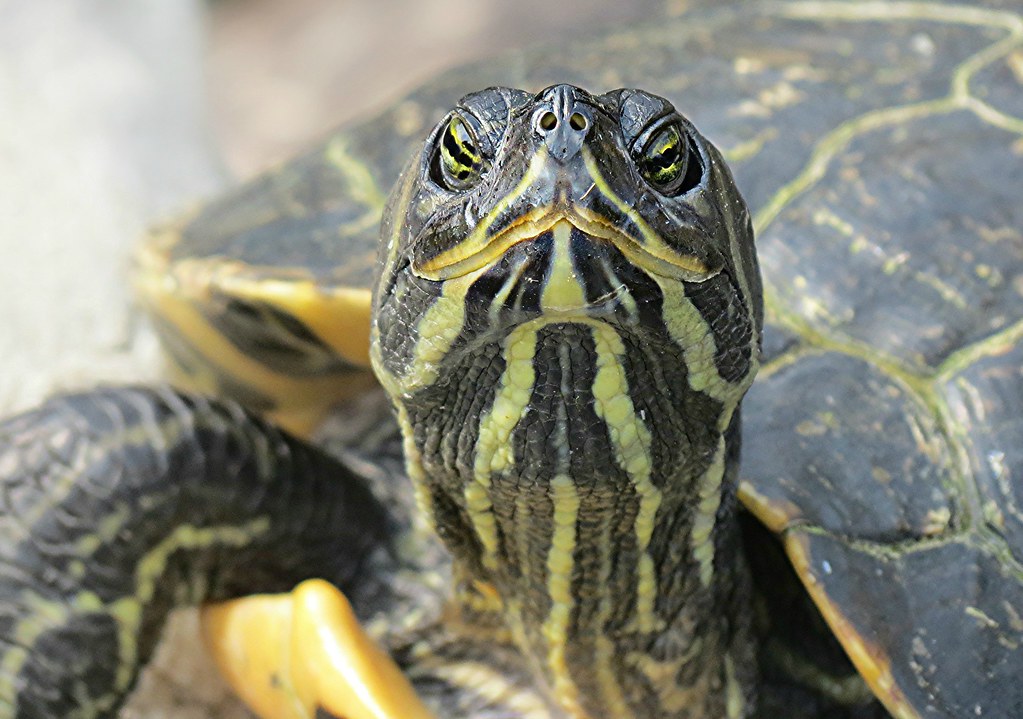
118	505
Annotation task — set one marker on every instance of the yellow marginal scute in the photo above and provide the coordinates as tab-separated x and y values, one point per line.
287	655
178	293
339	316
870	661
774	514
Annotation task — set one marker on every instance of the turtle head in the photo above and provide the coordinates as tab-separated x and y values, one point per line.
567	318
561	209
612	170
563	205
564	190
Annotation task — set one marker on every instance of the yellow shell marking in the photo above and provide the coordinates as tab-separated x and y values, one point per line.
870	660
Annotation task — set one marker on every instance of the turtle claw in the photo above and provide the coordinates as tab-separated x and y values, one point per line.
303	655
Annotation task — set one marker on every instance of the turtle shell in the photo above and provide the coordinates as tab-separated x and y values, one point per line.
880	147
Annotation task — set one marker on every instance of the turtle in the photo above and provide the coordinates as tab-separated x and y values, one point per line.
537	503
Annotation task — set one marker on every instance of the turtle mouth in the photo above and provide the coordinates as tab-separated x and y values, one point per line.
483	249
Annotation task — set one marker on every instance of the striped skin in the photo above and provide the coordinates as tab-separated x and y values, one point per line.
121	504
567	369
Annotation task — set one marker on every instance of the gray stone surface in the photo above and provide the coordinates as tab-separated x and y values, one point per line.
102	130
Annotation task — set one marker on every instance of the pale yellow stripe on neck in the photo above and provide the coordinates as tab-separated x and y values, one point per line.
524	526
494	687
706	515
560	565
607	651
437	331
694	336
424	518
497	304
735	695
631	441
696	339
625	298
564	290
710	501
663	676
493	447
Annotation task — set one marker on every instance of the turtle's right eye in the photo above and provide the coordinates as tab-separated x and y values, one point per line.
458	162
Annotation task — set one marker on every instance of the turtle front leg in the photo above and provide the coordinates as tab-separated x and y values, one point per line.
303	655
118	505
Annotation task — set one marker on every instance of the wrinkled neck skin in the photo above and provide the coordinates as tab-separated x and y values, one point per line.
590	491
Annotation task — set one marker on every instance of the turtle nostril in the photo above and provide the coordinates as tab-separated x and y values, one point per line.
577	121
548	121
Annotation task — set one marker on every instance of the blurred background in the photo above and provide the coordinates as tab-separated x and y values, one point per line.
282	73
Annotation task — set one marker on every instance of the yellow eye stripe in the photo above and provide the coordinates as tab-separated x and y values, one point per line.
664	158
458	150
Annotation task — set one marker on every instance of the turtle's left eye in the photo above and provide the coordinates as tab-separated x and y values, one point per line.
458	162
665	161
